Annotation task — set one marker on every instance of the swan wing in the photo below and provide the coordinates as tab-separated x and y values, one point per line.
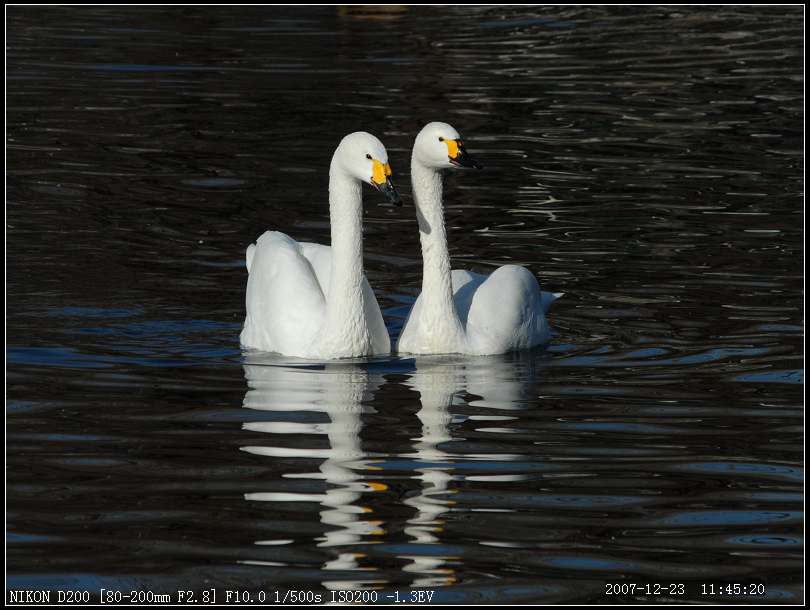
465	285
506	311
411	328
320	257
380	341
284	300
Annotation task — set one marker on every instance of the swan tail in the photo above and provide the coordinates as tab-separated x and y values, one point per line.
547	298
251	250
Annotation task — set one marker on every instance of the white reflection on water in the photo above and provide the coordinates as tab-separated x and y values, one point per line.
497	383
343	391
338	390
437	386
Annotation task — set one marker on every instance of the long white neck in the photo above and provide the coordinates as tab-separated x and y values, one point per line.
345	332
437	286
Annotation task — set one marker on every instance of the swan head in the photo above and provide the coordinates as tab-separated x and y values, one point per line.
439	146
364	158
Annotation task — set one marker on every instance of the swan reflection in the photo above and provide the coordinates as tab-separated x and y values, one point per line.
497	382
317	415
438	384
337	390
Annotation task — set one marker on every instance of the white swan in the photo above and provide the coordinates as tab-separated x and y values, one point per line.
313	301
459	311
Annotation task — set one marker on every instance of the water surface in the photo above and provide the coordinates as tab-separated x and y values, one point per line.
645	161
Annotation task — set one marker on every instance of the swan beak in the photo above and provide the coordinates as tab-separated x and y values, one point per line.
387	188
381	180
458	155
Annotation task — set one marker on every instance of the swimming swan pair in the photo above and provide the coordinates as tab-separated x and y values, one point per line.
313	301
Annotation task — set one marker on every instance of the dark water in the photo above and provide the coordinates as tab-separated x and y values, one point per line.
645	161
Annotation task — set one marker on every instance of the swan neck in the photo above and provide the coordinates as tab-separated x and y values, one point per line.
437	286
344	298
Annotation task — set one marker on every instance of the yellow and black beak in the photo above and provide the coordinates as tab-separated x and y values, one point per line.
458	155
381	180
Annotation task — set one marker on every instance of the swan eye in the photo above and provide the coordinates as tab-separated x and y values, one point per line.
441	139
368	157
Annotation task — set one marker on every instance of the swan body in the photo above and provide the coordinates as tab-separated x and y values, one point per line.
459	311
313	301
